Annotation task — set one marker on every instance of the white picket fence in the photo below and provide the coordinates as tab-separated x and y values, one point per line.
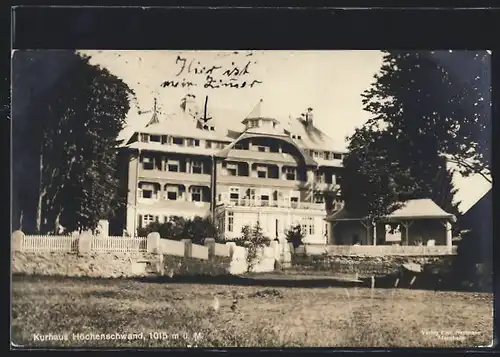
119	244
50	243
70	244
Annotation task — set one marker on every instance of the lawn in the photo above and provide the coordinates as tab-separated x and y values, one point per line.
176	314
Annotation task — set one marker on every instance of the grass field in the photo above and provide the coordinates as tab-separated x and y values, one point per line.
173	314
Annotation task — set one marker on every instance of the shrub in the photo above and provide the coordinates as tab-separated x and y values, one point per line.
295	235
196	229
253	239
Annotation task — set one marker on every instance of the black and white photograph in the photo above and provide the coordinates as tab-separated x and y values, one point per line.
251	198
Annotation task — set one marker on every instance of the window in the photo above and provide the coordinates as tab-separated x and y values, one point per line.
147	193
178	141
319	176
230	221
212	128
318	198
232	169
337	156
196	142
321	154
315	154
147	219
163	139
264	200
234	193
208	144
327	155
196	194
299	137
293	136
145	138
307	225
311	226
172	192
189	142
147	163
262	148
251	193
290	173
261	171
294	202
155	138
197	167
173	165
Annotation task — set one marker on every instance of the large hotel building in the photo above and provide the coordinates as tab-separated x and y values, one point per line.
198	161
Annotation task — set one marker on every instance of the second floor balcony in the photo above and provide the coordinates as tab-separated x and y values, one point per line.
285	204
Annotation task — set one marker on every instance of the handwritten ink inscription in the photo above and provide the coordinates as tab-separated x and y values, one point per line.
214	76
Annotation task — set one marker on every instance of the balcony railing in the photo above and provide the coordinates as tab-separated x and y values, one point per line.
248	202
174	176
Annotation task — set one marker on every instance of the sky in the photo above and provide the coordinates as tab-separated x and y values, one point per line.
288	82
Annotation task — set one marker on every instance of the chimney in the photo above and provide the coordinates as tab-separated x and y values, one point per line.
309	117
188	104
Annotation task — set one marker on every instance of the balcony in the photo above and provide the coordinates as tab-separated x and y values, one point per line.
180	205
175	177
248	202
260	182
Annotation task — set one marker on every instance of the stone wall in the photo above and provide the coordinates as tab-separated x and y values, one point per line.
177	266
367	266
163	257
103	265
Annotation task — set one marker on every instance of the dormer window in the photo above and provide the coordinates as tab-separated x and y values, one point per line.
145	138
155	138
178	141
212	128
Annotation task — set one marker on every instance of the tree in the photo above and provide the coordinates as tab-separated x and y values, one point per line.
75	138
422	118
254	240
381	173
200	228
295	235
442	98
373	182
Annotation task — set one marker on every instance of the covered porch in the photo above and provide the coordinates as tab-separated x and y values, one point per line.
420	227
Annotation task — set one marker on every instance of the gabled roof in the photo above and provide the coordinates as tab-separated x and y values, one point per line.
227	127
412	209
